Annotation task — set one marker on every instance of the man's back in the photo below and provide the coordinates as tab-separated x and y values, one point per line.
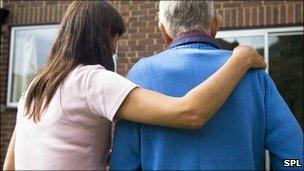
254	117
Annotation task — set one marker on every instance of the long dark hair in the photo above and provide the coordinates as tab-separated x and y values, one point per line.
84	38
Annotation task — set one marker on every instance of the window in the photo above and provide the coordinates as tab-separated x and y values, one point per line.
283	52
30	46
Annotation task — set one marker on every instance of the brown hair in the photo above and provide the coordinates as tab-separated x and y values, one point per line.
84	38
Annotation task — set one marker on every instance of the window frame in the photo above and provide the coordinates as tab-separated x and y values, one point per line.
13	30
265	32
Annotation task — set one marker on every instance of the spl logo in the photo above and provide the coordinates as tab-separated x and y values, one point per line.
292	163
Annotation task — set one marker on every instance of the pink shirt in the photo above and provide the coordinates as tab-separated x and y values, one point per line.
74	130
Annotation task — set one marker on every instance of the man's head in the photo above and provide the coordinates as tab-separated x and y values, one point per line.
177	17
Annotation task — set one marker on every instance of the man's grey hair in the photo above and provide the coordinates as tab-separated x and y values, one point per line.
184	16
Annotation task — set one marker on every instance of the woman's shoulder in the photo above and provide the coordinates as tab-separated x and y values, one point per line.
81	72
84	77
88	68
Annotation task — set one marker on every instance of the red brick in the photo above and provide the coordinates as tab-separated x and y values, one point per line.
153	23
155	47
145	54
275	15
254	17
139	24
132	42
233	18
140	12
145	41
273	2
299	13
283	14
146	29
133	19
232	5
148	5
122	59
261	16
131	30
217	6
153	11
251	3
218	3
247	17
147	18
291	12
137	47
130	54
239	18
154	35
134	7
137	36
126	13
159	40
269	15
226	19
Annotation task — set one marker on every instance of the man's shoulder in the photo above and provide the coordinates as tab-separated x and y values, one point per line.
140	67
147	69
172	55
256	78
145	64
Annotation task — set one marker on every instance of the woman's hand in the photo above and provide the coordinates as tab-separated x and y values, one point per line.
250	56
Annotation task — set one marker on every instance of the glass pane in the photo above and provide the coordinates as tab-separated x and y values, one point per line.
286	69
31	48
257	42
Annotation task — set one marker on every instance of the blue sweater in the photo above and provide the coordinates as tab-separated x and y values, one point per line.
254	118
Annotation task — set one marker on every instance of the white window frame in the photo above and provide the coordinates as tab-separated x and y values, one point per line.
14	29
265	32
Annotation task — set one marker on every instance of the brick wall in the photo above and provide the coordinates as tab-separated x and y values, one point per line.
142	38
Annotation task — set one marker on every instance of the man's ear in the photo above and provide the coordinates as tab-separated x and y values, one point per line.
168	39
216	24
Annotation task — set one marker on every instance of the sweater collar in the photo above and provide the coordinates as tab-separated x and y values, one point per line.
194	37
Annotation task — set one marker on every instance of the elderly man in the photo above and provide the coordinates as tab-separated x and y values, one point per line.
254	118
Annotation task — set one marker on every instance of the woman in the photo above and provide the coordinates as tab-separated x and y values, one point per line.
62	117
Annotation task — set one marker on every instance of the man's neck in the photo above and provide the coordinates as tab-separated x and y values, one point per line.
193	32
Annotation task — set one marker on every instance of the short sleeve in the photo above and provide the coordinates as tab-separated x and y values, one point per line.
105	91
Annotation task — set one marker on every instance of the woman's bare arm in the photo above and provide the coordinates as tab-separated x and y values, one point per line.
9	162
198	105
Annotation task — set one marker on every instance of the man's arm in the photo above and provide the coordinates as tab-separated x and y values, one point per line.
284	137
